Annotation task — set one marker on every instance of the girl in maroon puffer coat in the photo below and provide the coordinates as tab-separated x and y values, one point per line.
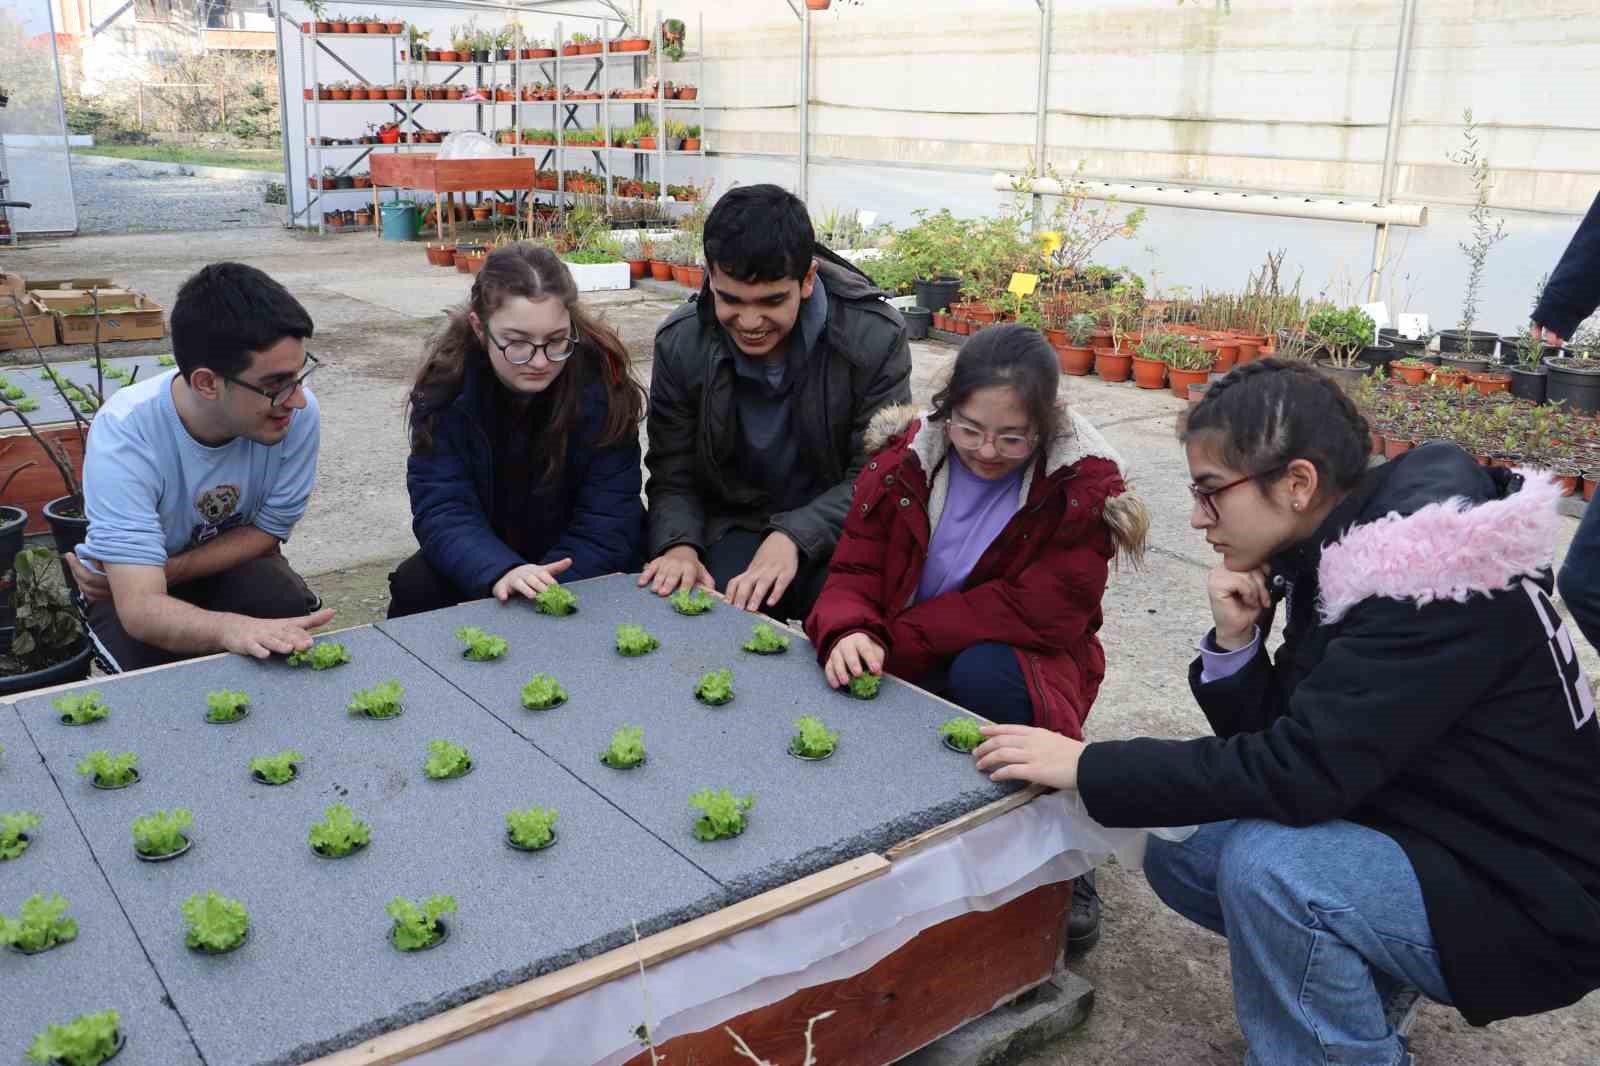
979	538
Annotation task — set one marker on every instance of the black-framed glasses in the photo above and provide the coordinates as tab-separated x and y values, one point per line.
1207	498
521	353
970	438
281	395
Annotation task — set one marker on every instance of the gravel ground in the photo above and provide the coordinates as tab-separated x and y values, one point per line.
120	196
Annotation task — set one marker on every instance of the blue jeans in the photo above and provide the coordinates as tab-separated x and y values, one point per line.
1579	579
986	679
1323	922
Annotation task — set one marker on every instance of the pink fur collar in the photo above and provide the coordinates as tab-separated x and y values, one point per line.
1445	551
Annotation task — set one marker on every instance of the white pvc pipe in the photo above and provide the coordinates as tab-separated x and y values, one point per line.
1237	202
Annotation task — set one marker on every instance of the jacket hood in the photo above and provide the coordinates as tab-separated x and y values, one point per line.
1440	527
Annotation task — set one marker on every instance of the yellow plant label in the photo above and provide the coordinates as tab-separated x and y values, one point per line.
1023	284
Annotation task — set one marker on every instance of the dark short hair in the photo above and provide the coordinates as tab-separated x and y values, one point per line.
760	233
226	312
1262	416
1017	357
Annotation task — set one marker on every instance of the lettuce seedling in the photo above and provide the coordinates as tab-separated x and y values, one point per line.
12	828
416	927
14	392
692	601
160	833
814	740
226	706
446	760
724	813
555	600
41	925
481	647
764	640
323	656
216	923
379	701
531	828
865	686
962	733
632	640
108	770
26	404
543	692
166	360
626	749
715	688
87	1040
339	833
276	769
81	708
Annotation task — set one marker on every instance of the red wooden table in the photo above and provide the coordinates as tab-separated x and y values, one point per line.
446	177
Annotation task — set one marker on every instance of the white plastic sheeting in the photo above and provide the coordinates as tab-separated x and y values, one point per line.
37	157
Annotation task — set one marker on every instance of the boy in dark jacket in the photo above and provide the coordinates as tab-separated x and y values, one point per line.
762	390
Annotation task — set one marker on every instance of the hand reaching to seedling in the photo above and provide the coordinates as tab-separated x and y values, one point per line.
767	578
529	579
1237	600
263	637
676	568
854	655
1026	753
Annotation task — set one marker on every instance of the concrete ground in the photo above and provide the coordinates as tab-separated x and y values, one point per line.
127	196
1162	985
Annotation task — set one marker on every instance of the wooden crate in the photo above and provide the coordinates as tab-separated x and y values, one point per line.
72	299
14	334
147	323
40	483
41	284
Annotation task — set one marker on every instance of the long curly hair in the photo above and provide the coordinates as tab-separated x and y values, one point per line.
535	272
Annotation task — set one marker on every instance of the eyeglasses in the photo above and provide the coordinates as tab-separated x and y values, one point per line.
279	396
970	438
521	353
1207	498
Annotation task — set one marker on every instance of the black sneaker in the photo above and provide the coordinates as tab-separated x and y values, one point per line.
1083	924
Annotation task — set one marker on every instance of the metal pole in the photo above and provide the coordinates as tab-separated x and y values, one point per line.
1046	9
803	187
1391	143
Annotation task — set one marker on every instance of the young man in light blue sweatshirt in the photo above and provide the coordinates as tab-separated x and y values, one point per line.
193	479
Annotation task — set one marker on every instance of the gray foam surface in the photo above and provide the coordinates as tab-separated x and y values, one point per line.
317	972
52	408
890	778
104	967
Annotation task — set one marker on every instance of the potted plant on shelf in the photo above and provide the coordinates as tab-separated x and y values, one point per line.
1076	357
673	32
339	90
691	139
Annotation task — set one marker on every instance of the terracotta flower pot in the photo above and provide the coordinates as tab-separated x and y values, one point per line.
963	326
680	274
482	212
1377	443
441	255
1111	364
691	144
689	93
818	5
638	268
982	314
1075	361
311	94
363	218
377	27
338	27
1588	487
1182	379
395	94
1490	381
358	94
591	48
1227	356
474	263
395	27
648	144
324	27
1393	446
1571	484
448	56
452	94
1411	375
660	271
356	27
1149	373
338	94
1100	338
569	50
695	276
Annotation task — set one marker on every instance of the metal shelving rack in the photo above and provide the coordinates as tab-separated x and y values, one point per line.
564	112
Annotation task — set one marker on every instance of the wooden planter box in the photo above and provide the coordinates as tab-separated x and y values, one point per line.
14	331
40	483
147	323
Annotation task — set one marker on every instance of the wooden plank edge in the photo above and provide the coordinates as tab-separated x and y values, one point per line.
970	820
497	1007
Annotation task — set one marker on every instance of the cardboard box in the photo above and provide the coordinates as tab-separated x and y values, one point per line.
69	301
13	334
11	283
147	322
40	284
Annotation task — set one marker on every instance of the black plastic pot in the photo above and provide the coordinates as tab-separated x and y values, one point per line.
951	745
1472	365
12	522
1381	354
169	856
1453	341
357	850
938	293
480	55
122	1042
244	712
809	758
1529	384
294	772
223	951
134	780
68	526
1580	389
918	319
635	766
514	846
444	934
1345	375
344	181
75	668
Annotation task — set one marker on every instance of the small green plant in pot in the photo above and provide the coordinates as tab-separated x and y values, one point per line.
446	760
723	813
765	640
961	734
813	740
1080	329
715	688
81	708
226	706
41	925
556	600
339	833
109	771
1342	334
48	629
160	835
277	769
626	749
217	925
323	656
692	601
633	641
543	692
481	647
532	829
14	837
87	1040
417	928
380	701
864	686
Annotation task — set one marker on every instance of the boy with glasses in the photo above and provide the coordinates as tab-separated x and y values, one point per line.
193	479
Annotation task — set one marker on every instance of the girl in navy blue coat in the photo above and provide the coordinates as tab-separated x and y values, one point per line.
525	459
